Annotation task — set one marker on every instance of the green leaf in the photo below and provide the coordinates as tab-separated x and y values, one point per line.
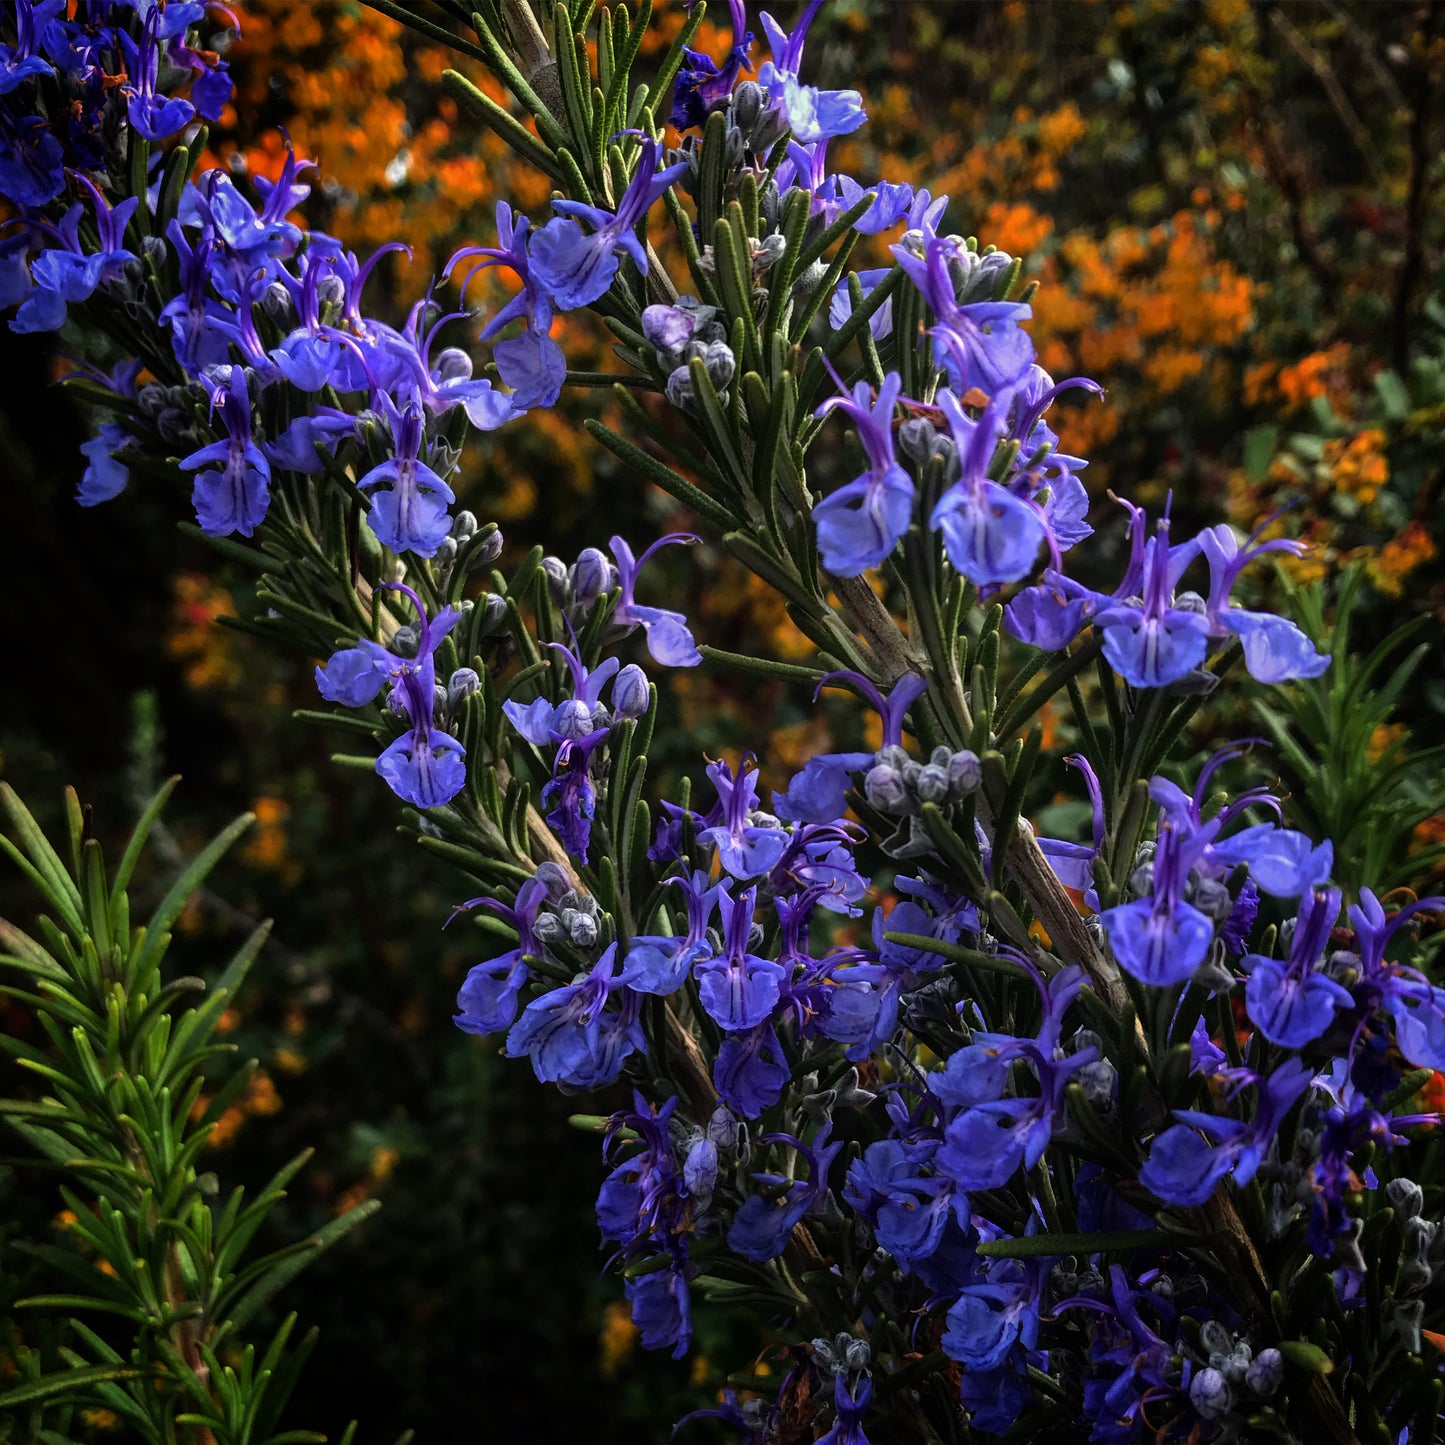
70	1380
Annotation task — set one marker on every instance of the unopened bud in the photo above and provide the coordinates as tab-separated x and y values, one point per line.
573	719
884	789
1266	1374
1210	1394
494	613
747	104
405	641
590	576
932	784
276	303
489	549
630	693
460	686
679	389
720	364
555	570
464	526
965	772
453	365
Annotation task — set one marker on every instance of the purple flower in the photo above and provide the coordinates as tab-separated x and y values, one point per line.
1161	940
488	998
662	1310
761	1227
570	794
410	515
577	268
1275	650
860	524
990	535
668	639
738	990
105	476
1417	1005
812	114
234	495
570	1034
702	84
1293	1004
542	722
32	161
746	850
151	115
849	1408
424	766
660	964
18	62
1183	1167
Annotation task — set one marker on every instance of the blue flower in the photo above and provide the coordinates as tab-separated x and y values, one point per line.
840	308
411	514
739	990
32	161
861	523
1293	1004
233	496
577	268
105	476
662	1310
1161	940
19	62
812	114
668	639
570	1034
1183	1168
761	1227
152	115
424	766
570	794
746	850
751	1071
1416	1005
488	998
660	964
990	535
702	84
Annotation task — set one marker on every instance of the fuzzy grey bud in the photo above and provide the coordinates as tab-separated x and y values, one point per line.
630	694
573	719
555	570
1210	1394
453	364
405	641
720	363
547	927
445	554
555	879
1406	1197
747	104
581	927
331	290
1266	1374
460	686
679	389
965	772
489	549
932	784
494	613
464	526
884	789
276	303
153	248
916	438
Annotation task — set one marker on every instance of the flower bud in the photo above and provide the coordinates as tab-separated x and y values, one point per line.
590	576
766	254
720	364
965	772
916	439
547	928
1210	1394
932	784
670	328
276	303
581	927
1266	1374
1406	1197
747	105
884	789
555	570
573	719
405	641
489	549
445	554
630	694
679	389
494	613
464	526
153	248
453	365
555	879
460	686
153	398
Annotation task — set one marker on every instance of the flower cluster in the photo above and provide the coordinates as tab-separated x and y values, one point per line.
894	1056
